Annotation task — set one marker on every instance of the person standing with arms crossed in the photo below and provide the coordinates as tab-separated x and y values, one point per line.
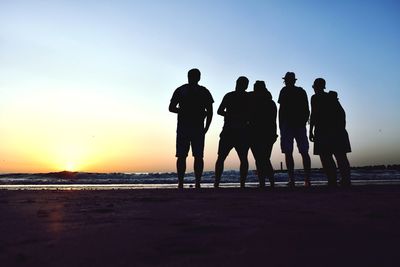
293	116
193	104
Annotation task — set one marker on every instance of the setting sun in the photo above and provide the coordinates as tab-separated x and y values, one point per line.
70	166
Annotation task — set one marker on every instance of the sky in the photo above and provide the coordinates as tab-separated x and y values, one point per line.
85	85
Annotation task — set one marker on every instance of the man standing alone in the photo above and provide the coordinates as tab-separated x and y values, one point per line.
293	116
193	104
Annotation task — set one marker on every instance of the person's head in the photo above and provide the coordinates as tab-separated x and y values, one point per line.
290	78
319	85
242	83
259	86
194	76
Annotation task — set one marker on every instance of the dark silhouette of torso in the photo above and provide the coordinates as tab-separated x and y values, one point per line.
236	105
329	120
262	115
193	100
327	113
293	110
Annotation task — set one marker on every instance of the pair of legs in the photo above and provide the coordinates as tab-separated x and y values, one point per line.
329	167
187	137
244	168
197	166
262	155
288	135
306	165
226	143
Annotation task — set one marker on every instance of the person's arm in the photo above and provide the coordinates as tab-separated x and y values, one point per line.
306	108
311	133
280	112
312	121
274	113
209	115
221	109
173	105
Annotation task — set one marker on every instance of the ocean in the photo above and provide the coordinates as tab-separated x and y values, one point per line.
230	178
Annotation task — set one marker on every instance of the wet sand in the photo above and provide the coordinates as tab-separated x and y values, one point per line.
359	226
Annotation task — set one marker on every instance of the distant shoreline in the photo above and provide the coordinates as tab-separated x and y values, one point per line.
113	187
81	180
71	173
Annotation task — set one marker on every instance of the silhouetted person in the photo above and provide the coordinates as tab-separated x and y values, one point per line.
193	103
293	117
262	122
329	136
234	108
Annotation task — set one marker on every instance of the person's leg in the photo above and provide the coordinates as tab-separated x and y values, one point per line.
198	169
224	148
260	163
269	171
219	169
241	143
303	146
307	168
244	166
329	166
344	168
197	141
290	168
287	136
182	149
261	172
181	169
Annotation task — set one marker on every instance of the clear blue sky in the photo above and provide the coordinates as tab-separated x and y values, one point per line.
86	84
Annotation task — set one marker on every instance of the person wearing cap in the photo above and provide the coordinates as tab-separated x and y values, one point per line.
293	116
262	122
193	104
234	109
328	132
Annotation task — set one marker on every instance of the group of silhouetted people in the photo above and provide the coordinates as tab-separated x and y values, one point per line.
250	124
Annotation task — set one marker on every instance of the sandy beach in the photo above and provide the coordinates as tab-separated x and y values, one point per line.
358	226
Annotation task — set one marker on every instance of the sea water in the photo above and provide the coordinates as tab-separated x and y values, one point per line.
106	181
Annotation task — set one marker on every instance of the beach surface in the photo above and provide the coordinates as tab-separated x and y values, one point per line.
357	226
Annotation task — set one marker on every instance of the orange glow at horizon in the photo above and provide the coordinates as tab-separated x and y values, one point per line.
82	131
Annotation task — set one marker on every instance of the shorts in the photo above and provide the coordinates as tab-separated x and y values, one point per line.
233	139
190	136
288	134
